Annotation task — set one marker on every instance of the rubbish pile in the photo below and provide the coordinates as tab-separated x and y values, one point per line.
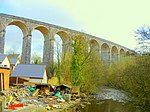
44	95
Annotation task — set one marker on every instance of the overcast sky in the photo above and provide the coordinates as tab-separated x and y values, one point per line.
113	20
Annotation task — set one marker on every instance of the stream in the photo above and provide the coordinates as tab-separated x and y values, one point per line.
108	100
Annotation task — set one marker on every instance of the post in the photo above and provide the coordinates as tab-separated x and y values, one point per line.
2	81
16	80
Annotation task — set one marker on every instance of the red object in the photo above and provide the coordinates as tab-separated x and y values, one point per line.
13	106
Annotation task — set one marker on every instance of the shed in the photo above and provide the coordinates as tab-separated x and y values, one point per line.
4	61
4	78
4	72
35	73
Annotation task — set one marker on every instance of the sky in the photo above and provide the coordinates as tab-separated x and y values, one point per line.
113	20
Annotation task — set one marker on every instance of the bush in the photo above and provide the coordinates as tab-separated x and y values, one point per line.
133	76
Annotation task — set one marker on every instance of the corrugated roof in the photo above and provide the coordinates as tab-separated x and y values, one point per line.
2	57
29	70
13	61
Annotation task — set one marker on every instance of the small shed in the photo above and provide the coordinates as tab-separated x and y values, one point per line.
4	78
34	73
4	72
4	61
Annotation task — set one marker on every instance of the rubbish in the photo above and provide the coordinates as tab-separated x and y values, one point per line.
56	106
15	106
61	100
10	98
48	108
64	88
57	94
36	92
25	96
66	97
32	89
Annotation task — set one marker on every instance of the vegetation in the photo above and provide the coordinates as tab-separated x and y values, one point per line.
79	56
80	66
143	38
94	74
36	59
133	76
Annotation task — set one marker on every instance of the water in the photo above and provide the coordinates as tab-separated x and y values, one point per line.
108	100
104	106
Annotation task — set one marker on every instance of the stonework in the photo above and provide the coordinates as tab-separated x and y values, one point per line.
2	41
49	31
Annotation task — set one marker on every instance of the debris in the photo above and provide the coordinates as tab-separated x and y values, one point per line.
42	95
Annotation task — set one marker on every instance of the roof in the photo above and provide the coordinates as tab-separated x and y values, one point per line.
29	70
13	55
2	57
13	60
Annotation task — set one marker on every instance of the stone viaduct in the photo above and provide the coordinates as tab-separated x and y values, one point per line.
108	50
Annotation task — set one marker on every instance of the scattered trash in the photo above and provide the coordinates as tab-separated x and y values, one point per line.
44	95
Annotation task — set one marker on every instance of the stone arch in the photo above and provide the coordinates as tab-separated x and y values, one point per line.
45	33
105	53
18	24
94	45
21	25
105	47
65	40
132	54
114	53
64	36
114	50
122	52
43	30
127	53
13	40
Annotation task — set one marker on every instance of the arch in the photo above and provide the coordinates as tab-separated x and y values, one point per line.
114	54
43	30
132	54
105	48
12	36
122	52
127	53
37	46
94	42
95	46
105	53
65	41
114	50
21	25
64	36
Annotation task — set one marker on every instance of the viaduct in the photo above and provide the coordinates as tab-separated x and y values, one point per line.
108	50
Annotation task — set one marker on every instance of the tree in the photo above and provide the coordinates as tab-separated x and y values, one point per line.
94	73
143	38
79	56
86	65
36	59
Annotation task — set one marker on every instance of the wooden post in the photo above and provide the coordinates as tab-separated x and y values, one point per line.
16	80
2	81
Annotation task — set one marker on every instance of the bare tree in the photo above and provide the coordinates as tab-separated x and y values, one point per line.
143	39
